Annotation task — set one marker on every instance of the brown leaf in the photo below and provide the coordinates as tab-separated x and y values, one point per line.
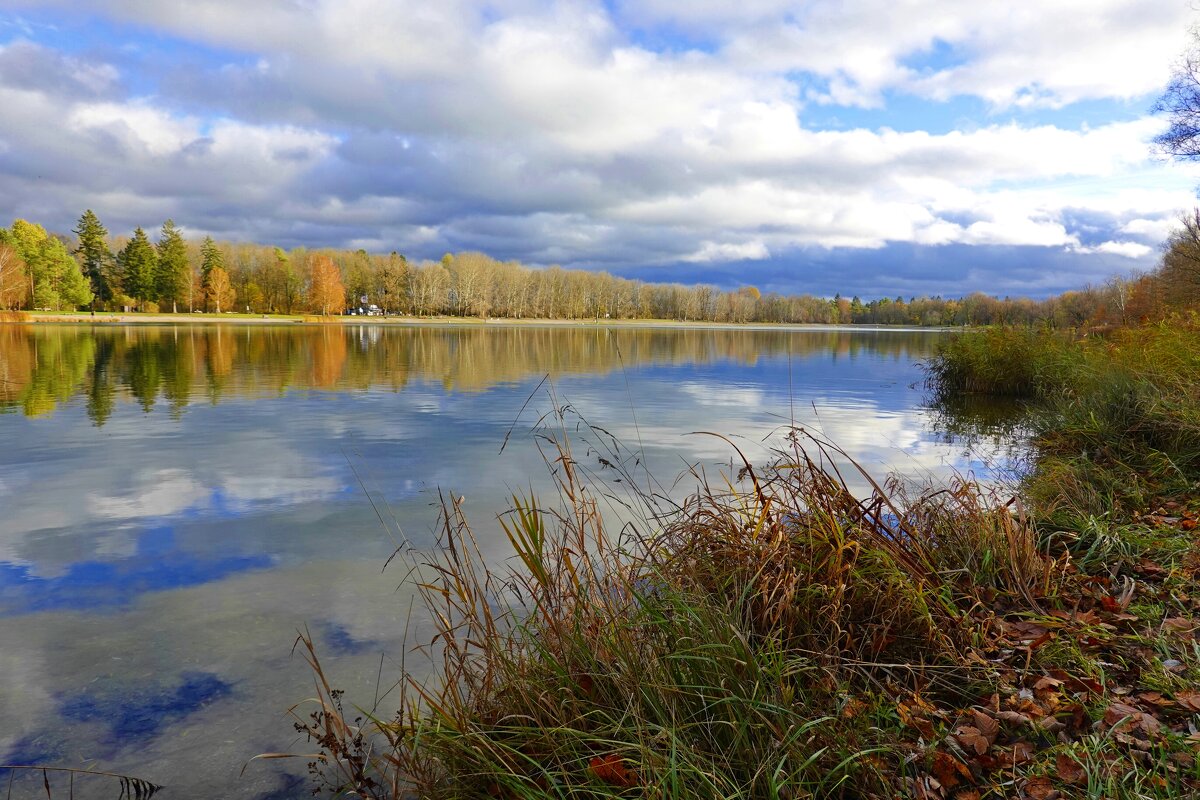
1075	684
1040	788
1181	624
1189	700
1129	718
1021	752
914	720
1041	640
1024	630
970	738
1147	567
612	770
949	770
1155	698
1046	683
1117	712
1069	769
988	727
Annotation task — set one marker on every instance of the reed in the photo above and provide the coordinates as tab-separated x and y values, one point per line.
751	641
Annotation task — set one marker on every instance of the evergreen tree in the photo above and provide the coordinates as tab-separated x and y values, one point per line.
55	277
210	259
94	256
171	274
139	265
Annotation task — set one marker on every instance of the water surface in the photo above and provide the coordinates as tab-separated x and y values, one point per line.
177	502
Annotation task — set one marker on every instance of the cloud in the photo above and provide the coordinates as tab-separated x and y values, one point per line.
1133	250
712	251
621	136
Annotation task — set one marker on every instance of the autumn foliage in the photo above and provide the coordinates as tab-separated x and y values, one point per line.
327	295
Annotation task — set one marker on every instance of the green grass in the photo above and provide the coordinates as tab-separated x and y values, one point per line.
1115	418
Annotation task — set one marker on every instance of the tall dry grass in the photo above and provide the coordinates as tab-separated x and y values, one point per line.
749	642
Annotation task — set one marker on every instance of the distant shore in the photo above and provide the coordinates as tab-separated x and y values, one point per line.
134	318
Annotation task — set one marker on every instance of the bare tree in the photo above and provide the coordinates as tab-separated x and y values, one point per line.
1181	104
1181	260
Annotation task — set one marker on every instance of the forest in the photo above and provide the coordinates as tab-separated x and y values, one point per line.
91	269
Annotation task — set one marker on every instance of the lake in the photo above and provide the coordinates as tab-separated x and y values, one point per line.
177	502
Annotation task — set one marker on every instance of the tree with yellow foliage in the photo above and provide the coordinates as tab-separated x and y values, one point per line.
326	293
218	291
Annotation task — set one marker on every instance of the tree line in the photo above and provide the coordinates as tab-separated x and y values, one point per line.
92	269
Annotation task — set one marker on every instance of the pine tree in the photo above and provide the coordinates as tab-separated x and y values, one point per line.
95	257
138	265
171	273
210	259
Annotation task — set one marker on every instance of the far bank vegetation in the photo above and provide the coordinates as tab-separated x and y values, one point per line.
91	269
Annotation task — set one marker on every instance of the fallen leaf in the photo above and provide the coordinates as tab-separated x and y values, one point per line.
1041	640
970	738
1118	712
1147	567
1189	700
1156	698
1040	788
1069	770
988	727
949	770
612	770
1020	752
914	720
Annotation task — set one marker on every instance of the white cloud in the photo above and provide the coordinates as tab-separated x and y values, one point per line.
1133	250
1153	229
550	132
729	251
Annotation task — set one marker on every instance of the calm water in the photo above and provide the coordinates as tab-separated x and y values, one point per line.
175	503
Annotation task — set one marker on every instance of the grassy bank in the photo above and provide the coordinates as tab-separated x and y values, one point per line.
1115	416
777	636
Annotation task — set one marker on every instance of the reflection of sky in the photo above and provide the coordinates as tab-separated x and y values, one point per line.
187	550
158	564
134	714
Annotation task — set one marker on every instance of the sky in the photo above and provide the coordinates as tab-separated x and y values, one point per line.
869	147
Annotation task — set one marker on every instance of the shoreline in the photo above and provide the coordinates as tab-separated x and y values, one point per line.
134	319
